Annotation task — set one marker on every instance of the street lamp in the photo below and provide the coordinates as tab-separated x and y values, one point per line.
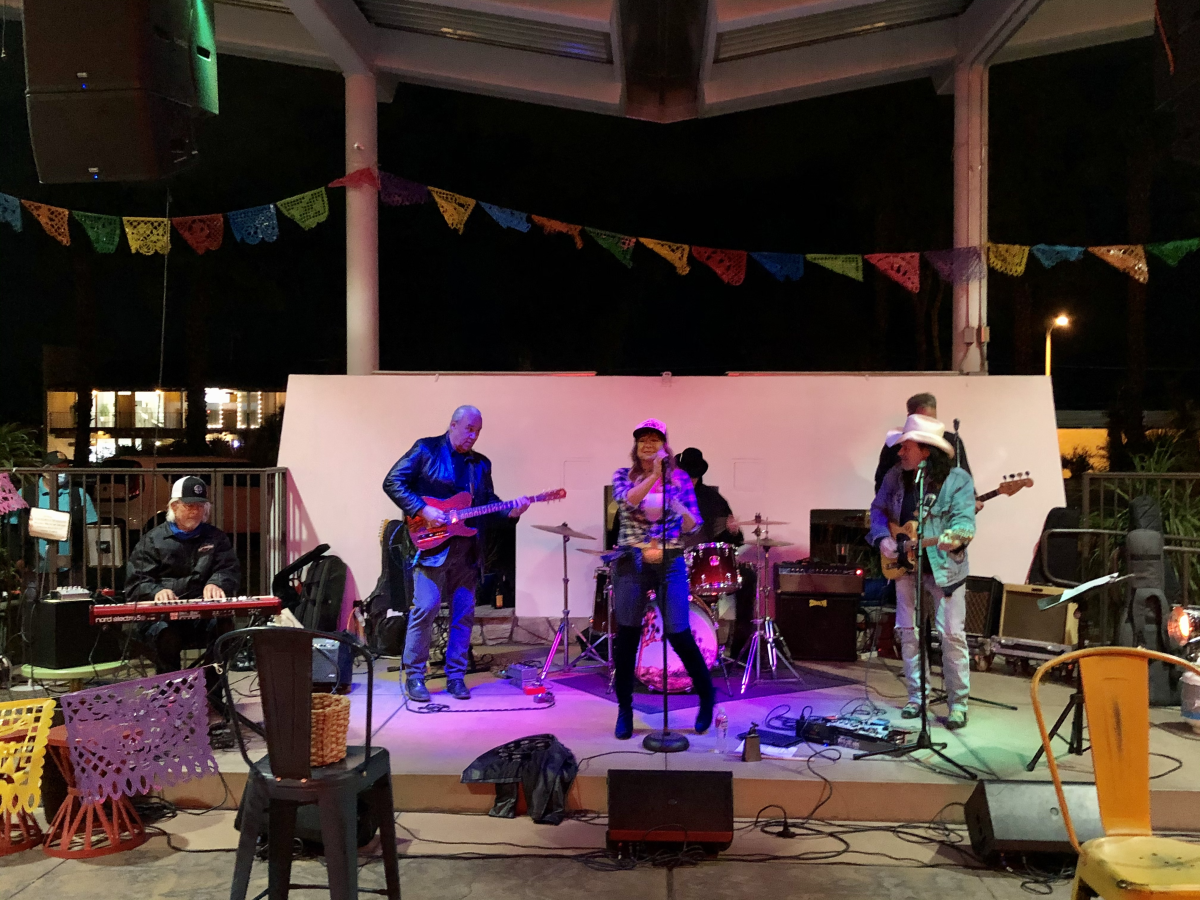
1059	321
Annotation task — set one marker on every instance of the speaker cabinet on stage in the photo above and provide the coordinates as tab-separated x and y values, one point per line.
1020	617
819	626
1024	817
984	598
653	806
63	638
113	93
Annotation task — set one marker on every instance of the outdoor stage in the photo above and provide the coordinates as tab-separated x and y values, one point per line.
430	751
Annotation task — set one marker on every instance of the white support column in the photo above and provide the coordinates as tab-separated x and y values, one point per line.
970	212
362	229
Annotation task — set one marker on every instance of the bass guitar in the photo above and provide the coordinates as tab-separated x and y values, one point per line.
894	567
458	509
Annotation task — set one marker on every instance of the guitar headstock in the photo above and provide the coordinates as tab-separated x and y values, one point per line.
557	494
1013	483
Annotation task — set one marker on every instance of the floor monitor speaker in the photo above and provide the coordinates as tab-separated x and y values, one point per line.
653	806
1024	817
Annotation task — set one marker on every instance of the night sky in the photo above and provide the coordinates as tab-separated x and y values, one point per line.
856	173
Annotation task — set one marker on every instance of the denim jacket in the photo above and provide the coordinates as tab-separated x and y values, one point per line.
954	510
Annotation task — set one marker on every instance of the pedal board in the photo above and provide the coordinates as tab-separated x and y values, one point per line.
855	733
522	674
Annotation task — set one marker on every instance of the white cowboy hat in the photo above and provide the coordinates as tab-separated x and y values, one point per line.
923	430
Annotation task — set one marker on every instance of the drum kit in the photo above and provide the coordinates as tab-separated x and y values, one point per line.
713	573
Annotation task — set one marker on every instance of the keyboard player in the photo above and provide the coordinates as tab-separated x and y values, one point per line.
185	558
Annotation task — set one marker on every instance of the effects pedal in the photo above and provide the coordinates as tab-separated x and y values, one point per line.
854	733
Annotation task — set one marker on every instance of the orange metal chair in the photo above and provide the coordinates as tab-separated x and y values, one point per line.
24	728
1129	862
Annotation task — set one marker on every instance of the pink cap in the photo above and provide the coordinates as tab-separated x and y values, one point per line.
651	425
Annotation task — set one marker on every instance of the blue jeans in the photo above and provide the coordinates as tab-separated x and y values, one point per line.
631	582
949	618
455	581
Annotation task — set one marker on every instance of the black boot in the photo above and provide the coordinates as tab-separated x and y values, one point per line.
689	654
625	648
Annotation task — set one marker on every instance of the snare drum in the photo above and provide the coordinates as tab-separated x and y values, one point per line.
649	659
713	570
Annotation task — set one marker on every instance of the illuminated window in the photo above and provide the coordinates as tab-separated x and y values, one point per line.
104	409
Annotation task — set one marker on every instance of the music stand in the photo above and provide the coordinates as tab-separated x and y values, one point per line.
1074	707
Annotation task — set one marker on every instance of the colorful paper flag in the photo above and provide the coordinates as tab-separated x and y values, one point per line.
147	236
10	498
902	268
54	219
553	226
10	211
507	218
364	177
455	207
1171	252
1050	255
846	264
675	254
308	209
103	231
619	245
1129	258
201	232
784	266
258	223
730	265
959	265
397	191
1010	259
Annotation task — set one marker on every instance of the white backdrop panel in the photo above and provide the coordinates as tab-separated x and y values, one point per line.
781	445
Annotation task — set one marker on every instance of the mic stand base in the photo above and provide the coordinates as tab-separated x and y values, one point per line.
923	742
665	742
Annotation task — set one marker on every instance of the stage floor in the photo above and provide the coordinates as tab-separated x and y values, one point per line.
430	750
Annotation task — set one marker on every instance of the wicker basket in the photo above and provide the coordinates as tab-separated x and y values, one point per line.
330	723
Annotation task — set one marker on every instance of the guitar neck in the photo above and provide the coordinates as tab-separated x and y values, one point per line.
473	511
990	495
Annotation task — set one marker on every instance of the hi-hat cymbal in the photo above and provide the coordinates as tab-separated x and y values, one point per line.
761	522
590	552
565	530
768	543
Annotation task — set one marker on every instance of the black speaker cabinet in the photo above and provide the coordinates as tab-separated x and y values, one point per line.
1024	817
820	626
984	597
112	93
63	638
653	806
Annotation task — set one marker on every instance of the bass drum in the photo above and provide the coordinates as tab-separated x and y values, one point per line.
649	659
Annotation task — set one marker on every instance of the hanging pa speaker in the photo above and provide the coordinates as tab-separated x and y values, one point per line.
113	94
1024	817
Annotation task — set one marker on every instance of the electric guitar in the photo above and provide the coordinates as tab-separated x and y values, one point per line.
894	567
457	509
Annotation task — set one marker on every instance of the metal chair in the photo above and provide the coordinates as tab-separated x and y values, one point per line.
284	780
1129	861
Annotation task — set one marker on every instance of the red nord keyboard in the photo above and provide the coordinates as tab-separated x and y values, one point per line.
182	610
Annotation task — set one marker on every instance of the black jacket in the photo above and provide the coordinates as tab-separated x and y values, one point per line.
427	470
185	565
540	764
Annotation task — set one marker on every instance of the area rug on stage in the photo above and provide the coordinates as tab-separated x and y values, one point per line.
645	701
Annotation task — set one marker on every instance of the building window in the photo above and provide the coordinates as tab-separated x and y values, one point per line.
104	409
148	409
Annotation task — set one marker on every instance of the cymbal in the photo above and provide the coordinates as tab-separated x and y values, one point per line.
565	530
768	543
590	552
761	522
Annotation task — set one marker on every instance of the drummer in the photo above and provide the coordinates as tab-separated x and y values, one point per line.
721	526
650	544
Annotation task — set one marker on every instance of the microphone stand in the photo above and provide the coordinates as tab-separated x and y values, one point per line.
664	740
923	741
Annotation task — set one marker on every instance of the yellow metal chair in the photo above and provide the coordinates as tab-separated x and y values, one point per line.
24	728
1129	862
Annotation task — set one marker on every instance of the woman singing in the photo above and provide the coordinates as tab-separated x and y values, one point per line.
651	538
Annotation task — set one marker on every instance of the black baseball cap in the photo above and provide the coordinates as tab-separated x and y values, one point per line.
190	489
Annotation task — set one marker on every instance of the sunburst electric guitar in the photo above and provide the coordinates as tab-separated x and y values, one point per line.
458	509
894	567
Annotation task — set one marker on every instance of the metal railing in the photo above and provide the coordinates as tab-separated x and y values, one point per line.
111	508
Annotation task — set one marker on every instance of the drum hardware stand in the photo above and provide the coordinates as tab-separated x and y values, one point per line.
923	741
562	635
766	634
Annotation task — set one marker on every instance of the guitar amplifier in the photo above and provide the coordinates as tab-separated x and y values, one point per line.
63	638
818	578
819	626
1026	630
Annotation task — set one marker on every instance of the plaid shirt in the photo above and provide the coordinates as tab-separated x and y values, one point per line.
637	529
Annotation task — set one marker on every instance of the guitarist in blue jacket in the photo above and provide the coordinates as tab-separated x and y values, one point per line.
949	527
440	467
